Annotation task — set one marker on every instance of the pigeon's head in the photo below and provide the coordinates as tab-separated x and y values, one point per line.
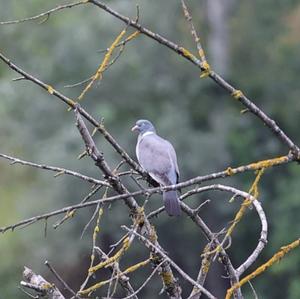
143	126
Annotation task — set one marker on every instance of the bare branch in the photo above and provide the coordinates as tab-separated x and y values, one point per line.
275	258
141	225
59	171
45	14
100	127
194	32
170	283
229	172
71	213
123	279
145	282
174	265
213	75
262	241
205	264
59	278
234	279
124	196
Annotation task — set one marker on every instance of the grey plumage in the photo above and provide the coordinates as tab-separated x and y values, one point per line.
157	156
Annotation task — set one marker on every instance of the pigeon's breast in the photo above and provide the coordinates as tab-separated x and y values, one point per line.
153	153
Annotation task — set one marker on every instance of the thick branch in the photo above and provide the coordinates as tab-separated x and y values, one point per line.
121	151
212	238
100	127
170	283
205	265
262	240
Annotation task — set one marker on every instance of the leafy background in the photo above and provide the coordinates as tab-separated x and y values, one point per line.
148	81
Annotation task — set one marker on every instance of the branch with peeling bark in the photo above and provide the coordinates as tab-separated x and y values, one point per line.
41	286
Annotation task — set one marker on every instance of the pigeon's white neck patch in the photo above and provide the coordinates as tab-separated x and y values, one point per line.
147	133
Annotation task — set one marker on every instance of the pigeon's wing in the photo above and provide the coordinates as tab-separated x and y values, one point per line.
154	155
174	160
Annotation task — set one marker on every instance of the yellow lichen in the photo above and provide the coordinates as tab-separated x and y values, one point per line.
268	163
276	257
94	131
102	283
47	286
205	70
153	235
136	266
258	165
246	203
50	89
167	278
103	65
71	213
94	287
112	259
229	171
97	228
132	36
237	94
201	54
186	53
205	261
59	173
139	217
243	111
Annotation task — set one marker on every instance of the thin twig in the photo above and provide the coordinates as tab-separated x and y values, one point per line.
188	16
100	127
270	123
44	14
71	213
229	172
205	265
145	282
110	200
275	258
67	287
197	210
174	265
59	171
90	221
123	279
27	293
79	83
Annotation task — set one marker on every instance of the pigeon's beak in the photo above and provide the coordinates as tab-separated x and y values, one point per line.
135	128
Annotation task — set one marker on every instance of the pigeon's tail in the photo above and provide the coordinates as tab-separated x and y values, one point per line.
172	204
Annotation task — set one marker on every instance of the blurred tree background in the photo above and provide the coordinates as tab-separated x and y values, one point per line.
254	44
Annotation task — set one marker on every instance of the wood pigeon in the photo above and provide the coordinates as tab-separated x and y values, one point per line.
157	156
